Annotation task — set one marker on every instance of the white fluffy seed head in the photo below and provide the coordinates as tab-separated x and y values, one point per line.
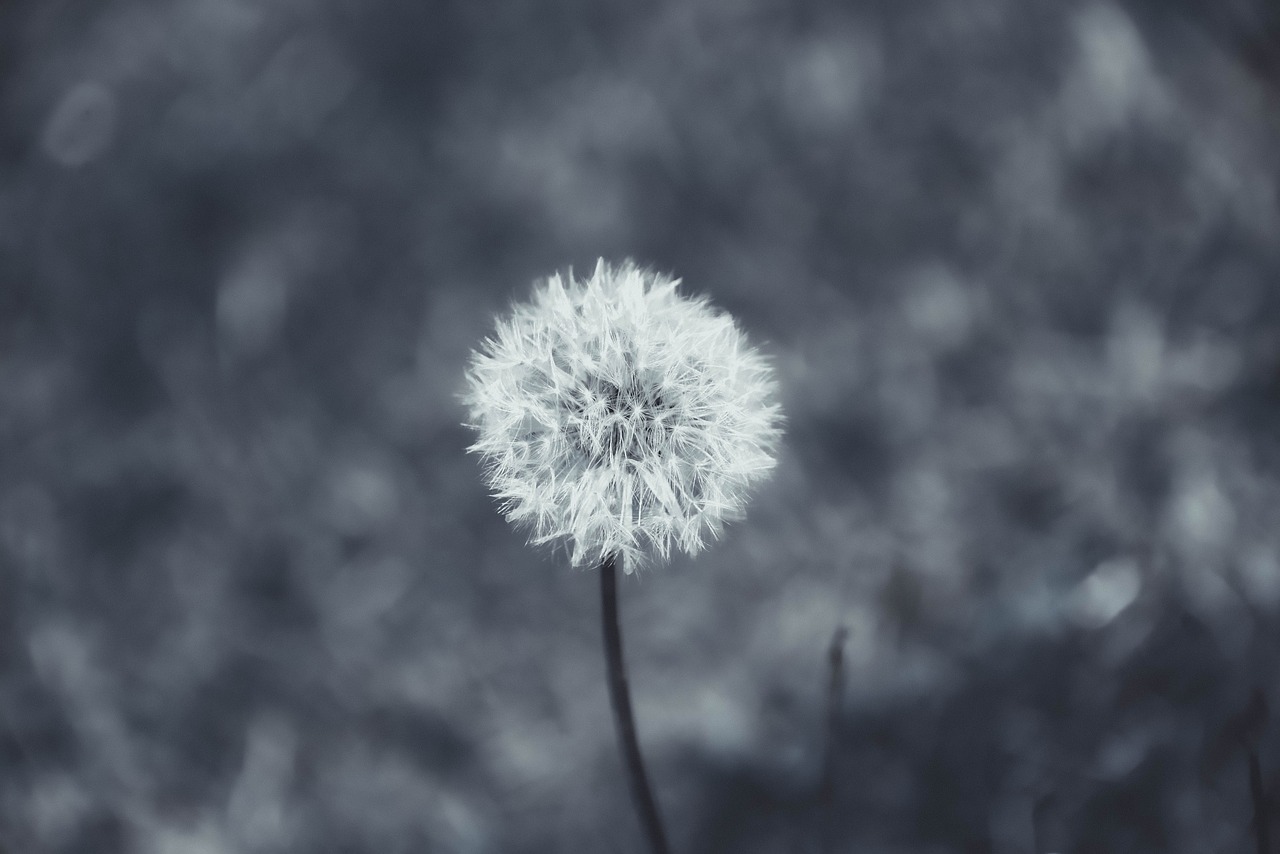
616	416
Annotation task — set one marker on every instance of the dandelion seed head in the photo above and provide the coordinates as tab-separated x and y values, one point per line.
616	416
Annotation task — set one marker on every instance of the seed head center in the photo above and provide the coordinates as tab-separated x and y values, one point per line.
609	422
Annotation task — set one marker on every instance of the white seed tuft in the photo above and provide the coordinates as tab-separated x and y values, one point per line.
617	417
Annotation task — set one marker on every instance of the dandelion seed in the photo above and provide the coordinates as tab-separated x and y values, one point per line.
617	417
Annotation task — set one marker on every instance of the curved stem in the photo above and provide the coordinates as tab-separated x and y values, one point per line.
620	694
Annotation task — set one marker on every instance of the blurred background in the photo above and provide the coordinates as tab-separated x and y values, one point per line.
1016	265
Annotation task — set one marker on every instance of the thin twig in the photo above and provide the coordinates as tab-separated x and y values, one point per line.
835	695
620	694
1260	827
1040	807
1246	730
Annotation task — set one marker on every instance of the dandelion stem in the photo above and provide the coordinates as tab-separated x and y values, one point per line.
620	694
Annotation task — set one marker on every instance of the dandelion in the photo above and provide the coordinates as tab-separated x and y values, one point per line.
619	418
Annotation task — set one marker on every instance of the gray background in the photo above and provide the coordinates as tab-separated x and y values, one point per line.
1015	263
